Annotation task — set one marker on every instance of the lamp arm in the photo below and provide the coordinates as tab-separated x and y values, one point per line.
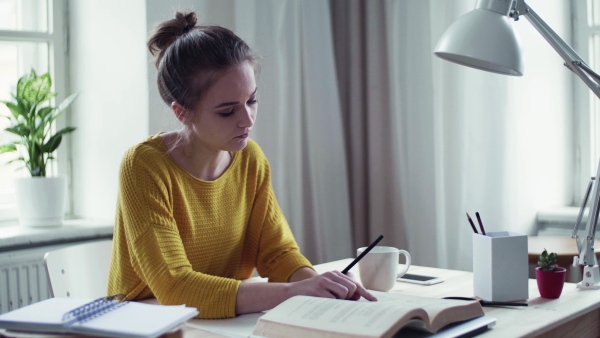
586	248
572	60
576	64
586	196
587	69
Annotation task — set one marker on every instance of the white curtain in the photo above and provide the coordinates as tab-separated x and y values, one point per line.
369	133
299	124
431	141
501	145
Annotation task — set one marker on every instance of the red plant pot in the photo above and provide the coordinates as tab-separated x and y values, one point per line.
550	283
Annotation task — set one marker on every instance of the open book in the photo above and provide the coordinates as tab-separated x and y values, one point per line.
304	315
106	317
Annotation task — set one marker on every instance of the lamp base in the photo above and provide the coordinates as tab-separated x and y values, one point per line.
591	278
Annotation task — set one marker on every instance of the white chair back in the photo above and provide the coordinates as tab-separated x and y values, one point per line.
79	271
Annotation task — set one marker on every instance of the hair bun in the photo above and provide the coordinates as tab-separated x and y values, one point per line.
167	32
187	20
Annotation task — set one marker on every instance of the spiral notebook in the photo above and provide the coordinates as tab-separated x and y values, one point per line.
104	317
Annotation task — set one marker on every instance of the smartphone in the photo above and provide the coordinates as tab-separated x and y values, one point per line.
420	279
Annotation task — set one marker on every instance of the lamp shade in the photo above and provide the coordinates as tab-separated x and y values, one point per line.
484	40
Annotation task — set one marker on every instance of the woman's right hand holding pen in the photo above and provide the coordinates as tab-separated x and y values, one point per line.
256	297
331	284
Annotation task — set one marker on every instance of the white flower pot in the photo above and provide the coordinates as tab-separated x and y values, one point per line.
41	201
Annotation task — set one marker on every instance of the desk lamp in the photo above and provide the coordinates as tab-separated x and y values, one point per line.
485	39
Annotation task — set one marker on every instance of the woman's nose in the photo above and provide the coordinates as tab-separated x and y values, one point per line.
247	119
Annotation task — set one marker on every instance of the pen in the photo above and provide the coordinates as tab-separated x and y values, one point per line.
480	223
472	224
362	255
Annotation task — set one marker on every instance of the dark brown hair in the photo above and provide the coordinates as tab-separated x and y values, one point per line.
190	58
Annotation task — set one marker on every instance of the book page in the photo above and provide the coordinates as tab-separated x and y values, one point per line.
445	311
240	326
137	320
45	315
440	311
339	318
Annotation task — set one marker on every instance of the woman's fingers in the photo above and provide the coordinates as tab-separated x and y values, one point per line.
362	292
354	290
332	284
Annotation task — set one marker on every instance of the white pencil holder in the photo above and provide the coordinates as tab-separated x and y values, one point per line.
500	270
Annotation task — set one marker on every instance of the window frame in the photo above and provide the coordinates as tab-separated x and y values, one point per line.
585	102
57	39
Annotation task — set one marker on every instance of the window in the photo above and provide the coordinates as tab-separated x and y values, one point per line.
32	35
586	42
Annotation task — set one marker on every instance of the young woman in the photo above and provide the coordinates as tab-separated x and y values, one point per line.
196	212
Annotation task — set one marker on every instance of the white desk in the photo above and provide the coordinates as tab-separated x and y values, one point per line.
575	314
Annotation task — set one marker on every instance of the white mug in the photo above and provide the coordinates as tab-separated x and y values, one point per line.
379	268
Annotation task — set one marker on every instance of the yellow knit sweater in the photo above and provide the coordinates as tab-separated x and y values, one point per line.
188	241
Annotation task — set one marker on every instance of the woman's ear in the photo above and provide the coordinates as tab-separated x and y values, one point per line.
180	113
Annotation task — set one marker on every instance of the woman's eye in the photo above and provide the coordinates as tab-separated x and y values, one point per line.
227	114
253	101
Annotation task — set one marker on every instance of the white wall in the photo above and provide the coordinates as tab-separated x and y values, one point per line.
109	70
119	104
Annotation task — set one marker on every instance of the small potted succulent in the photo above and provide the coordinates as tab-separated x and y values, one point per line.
550	277
41	200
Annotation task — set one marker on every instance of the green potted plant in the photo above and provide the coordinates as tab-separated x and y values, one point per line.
41	200
549	276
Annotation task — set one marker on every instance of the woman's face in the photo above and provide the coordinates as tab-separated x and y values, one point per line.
226	113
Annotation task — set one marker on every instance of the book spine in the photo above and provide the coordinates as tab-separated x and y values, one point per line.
93	309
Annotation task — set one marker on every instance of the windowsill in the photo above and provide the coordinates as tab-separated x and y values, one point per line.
16	237
13	236
566	215
559	221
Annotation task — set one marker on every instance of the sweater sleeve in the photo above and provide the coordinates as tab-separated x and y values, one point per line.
156	250
278	254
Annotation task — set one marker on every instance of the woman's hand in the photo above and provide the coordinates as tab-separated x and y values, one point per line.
255	297
331	284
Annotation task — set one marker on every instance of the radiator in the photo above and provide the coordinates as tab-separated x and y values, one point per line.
23	278
22	284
